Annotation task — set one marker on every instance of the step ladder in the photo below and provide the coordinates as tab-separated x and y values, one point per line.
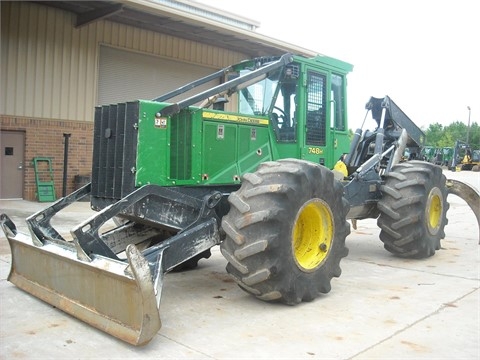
44	179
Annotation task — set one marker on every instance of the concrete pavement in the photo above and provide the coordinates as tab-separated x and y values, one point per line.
381	307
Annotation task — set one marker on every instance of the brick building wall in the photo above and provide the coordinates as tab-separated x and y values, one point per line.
44	138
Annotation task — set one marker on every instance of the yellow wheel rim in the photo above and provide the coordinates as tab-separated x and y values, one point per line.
312	234
434	210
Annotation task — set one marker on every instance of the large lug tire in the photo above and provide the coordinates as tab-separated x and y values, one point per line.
285	231
413	209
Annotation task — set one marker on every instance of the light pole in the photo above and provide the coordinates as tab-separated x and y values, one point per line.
468	126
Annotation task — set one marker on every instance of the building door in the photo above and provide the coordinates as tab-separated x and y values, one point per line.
12	144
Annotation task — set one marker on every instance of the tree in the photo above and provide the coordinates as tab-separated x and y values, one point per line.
474	136
433	134
445	136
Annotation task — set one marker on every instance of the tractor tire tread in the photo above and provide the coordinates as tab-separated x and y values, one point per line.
403	209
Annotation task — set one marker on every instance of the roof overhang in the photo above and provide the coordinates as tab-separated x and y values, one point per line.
161	18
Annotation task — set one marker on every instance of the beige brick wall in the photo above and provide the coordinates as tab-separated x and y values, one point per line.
44	137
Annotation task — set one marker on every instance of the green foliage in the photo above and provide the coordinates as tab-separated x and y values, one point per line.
442	136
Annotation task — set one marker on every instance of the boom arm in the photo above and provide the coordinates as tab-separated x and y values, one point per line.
228	87
394	114
193	84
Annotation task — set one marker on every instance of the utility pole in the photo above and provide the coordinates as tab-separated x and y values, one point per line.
468	126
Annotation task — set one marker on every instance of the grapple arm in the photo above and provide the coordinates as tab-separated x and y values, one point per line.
469	194
104	279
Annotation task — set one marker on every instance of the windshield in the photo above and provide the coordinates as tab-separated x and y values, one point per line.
256	99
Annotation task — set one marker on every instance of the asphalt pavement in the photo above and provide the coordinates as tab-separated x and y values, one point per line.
381	307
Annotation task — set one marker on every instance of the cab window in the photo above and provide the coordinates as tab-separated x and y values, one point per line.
338	102
316	109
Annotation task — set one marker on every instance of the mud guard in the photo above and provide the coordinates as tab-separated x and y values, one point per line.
469	194
49	271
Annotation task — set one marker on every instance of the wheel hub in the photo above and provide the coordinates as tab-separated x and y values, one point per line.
312	234
434	210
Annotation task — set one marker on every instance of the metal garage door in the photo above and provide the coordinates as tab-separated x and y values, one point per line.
126	75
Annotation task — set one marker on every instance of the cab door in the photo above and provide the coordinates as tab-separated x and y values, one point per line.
318	140
339	133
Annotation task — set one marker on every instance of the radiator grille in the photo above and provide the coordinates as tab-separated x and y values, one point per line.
181	146
114	150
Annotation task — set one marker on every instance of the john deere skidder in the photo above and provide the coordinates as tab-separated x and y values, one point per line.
247	165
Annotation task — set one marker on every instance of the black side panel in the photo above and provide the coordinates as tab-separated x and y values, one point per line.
114	151
119	151
110	150
130	148
96	150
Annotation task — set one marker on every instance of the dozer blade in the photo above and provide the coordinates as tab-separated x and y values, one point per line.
85	289
469	194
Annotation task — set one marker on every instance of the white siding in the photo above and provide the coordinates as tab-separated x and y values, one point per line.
49	68
126	75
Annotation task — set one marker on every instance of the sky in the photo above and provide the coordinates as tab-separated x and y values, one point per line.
425	55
